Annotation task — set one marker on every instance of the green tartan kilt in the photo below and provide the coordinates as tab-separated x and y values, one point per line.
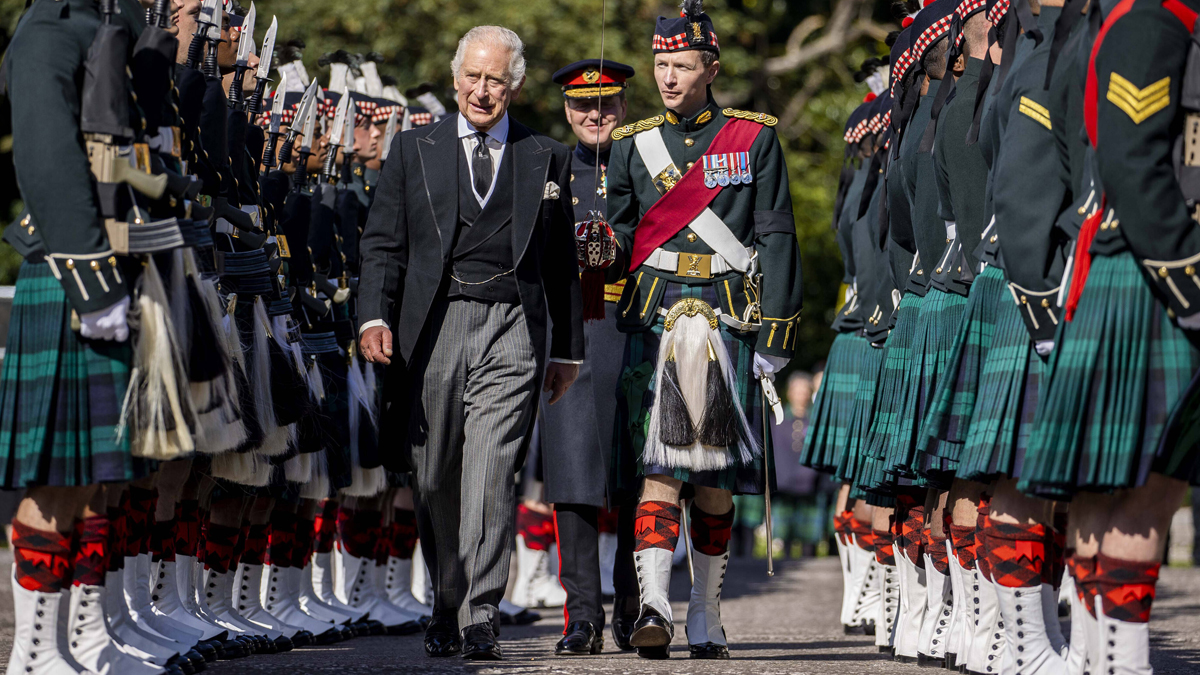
828	432
1117	372
893	376
937	323
60	395
635	398
950	416
1010	384
870	365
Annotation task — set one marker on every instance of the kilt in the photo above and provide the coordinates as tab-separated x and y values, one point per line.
946	425
869	366
60	395
828	431
1117	372
1010	383
635	398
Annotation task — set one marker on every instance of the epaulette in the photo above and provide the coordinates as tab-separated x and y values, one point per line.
636	127
762	118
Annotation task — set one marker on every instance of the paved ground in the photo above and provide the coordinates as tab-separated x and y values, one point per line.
787	624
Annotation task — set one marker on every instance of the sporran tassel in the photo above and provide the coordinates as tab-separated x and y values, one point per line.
363	482
318	487
676	426
275	437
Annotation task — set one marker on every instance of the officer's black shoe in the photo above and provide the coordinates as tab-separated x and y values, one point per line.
182	663
231	649
361	628
197	660
479	643
951	661
582	639
266	646
329	637
441	638
625	614
207	650
285	644
926	661
853	630
655	653
348	632
652	630
303	638
376	627
406	628
424	621
708	650
904	659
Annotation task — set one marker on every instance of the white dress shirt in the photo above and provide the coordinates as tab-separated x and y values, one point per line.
496	137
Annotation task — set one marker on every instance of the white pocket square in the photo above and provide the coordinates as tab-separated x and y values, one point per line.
552	190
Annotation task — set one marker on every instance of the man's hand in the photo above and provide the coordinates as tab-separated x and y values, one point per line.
376	345
559	378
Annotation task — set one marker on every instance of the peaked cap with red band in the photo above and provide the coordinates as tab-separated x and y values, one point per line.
587	79
692	30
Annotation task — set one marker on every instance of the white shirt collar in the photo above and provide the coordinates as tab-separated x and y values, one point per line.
498	132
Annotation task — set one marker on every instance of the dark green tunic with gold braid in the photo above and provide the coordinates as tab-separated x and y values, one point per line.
759	215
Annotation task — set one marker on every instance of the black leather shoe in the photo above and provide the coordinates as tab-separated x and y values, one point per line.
206	650
479	643
441	638
655	653
625	614
328	637
652	630
284	643
303	638
582	639
926	661
853	630
869	628
708	650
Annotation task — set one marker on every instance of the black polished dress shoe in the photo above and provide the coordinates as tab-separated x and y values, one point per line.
651	630
441	638
479	643
625	614
926	661
284	643
582	639
328	637
708	650
206	650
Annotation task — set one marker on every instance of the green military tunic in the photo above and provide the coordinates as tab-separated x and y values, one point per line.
758	215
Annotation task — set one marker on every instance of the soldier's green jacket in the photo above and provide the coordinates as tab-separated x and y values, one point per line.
848	318
1032	185
43	70
910	205
759	215
962	172
903	245
1139	75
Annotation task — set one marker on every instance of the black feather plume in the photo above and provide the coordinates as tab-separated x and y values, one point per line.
692	8
293	50
388	80
891	38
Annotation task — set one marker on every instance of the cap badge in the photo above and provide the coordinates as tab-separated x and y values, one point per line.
696	32
591	76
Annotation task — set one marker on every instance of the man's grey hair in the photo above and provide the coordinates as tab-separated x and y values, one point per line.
498	36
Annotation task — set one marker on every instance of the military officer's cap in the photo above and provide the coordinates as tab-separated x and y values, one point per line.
383	110
692	30
930	25
587	79
291	101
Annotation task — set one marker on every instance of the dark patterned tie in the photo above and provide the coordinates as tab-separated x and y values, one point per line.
481	165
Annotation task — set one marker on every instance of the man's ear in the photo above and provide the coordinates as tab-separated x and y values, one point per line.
713	70
516	92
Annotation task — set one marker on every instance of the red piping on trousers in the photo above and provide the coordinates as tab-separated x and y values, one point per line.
558	550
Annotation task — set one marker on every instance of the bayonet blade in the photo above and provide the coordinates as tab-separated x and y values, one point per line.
277	104
211	18
389	132
348	137
307	103
246	39
310	122
339	119
267	54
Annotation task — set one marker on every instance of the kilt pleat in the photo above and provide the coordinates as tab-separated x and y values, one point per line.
1009	382
829	430
893	377
950	415
1118	371
635	399
60	395
870	365
937	323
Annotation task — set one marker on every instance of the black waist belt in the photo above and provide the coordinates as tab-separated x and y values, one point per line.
196	233
145	237
318	343
281	306
245	272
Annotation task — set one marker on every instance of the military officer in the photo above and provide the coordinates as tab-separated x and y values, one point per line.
699	203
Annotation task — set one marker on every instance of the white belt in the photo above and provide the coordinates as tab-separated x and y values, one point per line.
728	320
668	261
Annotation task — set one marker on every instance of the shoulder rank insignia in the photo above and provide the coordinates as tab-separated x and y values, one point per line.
1139	104
636	127
1035	111
762	118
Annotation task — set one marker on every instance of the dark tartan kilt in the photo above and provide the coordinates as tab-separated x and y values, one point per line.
869	365
329	429
949	419
828	432
635	397
60	395
937	323
1010	385
893	377
1117	372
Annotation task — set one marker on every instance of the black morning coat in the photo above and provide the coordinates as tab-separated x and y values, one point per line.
406	245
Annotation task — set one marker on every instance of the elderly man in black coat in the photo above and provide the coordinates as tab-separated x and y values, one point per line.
467	251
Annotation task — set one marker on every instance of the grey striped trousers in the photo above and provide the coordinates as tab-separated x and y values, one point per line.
475	383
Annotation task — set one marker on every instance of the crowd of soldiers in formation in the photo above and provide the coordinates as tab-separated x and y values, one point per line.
1010	397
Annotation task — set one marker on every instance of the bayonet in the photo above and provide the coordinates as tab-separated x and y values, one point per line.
237	97
265	57
348	151
306	102
335	136
208	10
276	117
310	123
389	132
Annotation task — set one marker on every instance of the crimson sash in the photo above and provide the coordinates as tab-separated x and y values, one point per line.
688	199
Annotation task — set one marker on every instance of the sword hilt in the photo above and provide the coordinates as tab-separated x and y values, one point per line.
327	171
254	103
285	153
268	158
237	97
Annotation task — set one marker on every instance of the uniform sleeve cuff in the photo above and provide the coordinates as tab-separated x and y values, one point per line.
91	281
1178	282
371	324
